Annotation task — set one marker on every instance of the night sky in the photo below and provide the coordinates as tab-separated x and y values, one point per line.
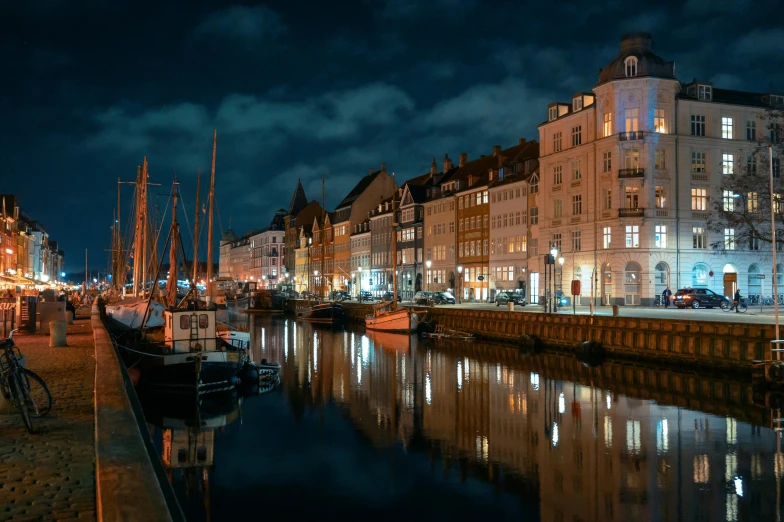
297	89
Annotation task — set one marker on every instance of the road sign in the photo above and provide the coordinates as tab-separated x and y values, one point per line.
760	276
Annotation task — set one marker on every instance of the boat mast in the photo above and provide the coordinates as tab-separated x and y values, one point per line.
118	260
145	224
196	231
209	219
323	236
137	249
171	283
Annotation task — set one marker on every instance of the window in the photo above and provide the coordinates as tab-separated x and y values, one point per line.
577	135
661	197
726	128
751	130
632	120
699	276
729	239
704	92
658	121
552	113
577	204
751	164
631	158
631	66
607	124
697	125
752	202
659	161
557	174
607	237
607	161
660	236
607	199
557	241
577	171
728	201
484	197
699	199
632	197
697	162
557	142
727	164
557	208
576	241
534	216
698	237
534	184
577	103
632	236
754	243
776	133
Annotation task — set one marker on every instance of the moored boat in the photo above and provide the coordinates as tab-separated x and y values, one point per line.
324	313
387	317
135	312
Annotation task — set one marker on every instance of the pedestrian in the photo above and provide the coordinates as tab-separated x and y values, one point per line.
736	300
666	294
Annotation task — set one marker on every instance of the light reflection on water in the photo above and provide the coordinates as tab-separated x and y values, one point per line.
475	426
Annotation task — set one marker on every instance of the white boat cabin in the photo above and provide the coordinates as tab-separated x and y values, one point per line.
190	330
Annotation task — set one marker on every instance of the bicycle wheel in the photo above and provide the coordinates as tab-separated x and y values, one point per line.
19	399
38	396
725	306
743	307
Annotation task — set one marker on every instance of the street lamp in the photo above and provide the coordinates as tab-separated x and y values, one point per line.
427	264
553	296
359	290
560	262
315	275
460	281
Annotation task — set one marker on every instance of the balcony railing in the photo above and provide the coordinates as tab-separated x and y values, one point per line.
631	212
631	173
631	135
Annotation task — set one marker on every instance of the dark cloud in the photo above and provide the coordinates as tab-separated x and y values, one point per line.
300	89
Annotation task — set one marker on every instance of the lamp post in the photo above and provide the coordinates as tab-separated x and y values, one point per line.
553	297
561	263
427	264
359	291
315	279
460	283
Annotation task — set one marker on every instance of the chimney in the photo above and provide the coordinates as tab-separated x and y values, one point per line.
463	159
447	163
383	167
496	150
433	168
520	141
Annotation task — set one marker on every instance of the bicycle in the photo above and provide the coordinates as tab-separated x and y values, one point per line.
657	301
22	387
767	301
728	306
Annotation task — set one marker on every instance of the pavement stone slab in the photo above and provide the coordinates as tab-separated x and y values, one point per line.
50	475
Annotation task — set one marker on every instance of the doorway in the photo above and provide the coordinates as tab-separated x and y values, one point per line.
730	280
661	278
606	285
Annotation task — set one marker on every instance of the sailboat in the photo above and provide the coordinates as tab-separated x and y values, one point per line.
388	316
138	312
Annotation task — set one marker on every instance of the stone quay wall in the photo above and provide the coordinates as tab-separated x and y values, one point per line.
699	344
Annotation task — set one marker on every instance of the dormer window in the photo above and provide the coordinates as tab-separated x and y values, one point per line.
704	92
776	101
631	66
552	113
577	103
501	173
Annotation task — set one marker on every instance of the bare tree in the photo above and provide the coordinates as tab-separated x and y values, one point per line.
740	207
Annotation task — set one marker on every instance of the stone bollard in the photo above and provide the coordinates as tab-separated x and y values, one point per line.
69	317
615	310
57	333
510	306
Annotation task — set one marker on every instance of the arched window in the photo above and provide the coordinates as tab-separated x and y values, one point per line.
754	281
661	277
632	284
699	276
631	66
729	269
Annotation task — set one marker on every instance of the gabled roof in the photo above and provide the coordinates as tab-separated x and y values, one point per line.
359	188
298	200
478	170
749	99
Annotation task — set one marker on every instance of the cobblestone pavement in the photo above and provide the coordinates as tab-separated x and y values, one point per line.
51	475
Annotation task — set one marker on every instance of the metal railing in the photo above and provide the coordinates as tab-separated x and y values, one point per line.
631	135
631	212
631	173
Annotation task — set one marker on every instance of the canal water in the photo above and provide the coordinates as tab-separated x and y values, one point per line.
396	428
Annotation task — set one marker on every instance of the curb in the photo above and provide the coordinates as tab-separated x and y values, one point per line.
126	486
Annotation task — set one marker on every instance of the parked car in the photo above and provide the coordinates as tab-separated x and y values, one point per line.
340	295
364	295
698	298
423	298
443	298
388	297
504	297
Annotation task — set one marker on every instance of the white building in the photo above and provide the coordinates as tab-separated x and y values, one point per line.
629	169
267	253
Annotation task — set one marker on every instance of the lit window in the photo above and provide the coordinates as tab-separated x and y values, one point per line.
631	159
699	199
698	237
726	128
658	121
552	113
728	201
632	120
752	202
607	237
727	164
661	197
729	238
660	237
632	197
631	66
607	124
534	184
632	236
577	103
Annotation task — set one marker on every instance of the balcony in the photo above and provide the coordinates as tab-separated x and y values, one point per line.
631	212
662	212
631	173
631	135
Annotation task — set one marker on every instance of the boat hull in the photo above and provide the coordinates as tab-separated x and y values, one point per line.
329	313
176	373
128	313
397	321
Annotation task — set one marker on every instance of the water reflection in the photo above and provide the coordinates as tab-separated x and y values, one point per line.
552	439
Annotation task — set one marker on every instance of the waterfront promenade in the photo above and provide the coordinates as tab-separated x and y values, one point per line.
50	475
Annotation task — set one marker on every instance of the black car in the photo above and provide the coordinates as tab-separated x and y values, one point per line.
388	297
423	298
503	297
364	295
698	298
340	295
443	298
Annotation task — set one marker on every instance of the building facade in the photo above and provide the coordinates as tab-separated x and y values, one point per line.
298	203
439	227
381	237
360	257
267	254
302	261
410	236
